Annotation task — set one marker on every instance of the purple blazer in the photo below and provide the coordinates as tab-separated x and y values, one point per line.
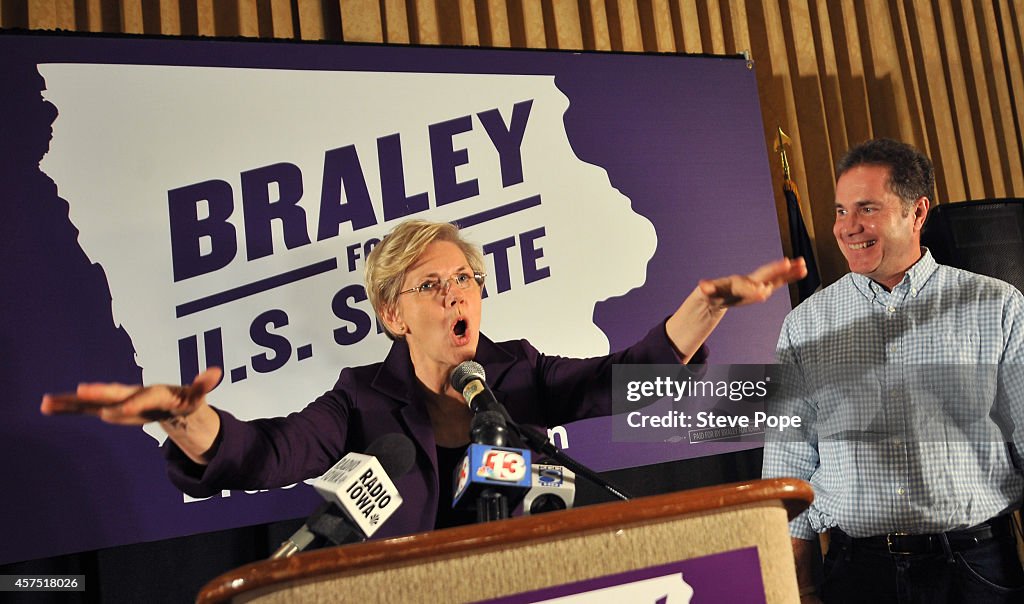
371	401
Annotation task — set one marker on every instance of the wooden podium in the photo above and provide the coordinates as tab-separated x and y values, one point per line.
495	559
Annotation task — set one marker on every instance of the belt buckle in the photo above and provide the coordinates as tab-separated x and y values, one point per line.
888	543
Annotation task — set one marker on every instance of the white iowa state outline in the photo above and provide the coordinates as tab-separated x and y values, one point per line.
126	134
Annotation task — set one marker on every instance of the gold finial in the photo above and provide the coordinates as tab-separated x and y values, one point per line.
780	147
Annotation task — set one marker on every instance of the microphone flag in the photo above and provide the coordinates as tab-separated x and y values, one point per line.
484	466
359	486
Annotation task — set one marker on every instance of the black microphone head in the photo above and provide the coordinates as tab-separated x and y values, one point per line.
548	502
333	526
466	372
395	452
489	428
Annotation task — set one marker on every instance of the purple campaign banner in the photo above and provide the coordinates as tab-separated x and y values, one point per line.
733	576
172	204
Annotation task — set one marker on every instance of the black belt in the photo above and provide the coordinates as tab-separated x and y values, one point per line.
901	543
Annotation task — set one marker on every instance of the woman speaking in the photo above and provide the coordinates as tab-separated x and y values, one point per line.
425	284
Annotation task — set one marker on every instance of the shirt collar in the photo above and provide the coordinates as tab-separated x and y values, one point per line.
396	376
914	280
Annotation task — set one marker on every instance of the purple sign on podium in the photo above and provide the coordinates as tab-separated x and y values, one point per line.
733	576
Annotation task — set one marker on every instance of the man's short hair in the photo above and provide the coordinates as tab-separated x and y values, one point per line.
911	175
391	258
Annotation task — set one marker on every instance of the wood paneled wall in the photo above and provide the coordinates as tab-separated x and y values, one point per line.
944	75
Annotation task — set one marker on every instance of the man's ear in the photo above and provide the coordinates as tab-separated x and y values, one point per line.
921	207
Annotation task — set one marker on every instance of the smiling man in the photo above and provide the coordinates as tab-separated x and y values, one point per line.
878	230
911	388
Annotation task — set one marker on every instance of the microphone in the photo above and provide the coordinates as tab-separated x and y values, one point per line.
469	378
360	487
493	475
553	488
492	478
490	428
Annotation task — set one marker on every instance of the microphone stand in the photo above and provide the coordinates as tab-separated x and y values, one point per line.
541	444
322	526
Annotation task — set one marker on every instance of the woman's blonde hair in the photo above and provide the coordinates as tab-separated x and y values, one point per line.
391	258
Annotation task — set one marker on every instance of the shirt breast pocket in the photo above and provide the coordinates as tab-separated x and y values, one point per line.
960	347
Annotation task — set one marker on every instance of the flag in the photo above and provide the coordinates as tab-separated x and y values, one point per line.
798	237
801	242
